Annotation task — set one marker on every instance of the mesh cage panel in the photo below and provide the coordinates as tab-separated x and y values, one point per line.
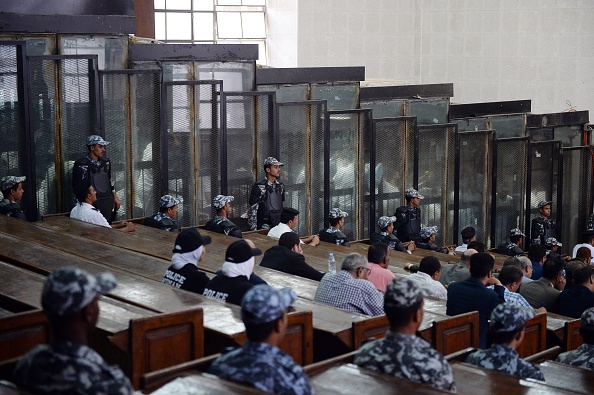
511	165
337	96
544	178
236	76
474	183
576	195
44	108
429	111
116	115
512	125
470	124
540	134
287	93
301	140
78	118
436	178
145	143
363	218
247	112
570	136
391	162
385	108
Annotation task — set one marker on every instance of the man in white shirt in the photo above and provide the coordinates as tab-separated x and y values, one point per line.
84	210
287	223
588	238
468	235
427	278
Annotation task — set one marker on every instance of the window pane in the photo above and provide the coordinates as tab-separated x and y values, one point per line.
160	26
159	4
253	25
203	5
179	26
228	2
229	24
254	2
203	26
179	4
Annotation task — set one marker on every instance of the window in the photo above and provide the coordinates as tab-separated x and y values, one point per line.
212	21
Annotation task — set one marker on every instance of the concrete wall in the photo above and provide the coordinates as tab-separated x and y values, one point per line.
491	50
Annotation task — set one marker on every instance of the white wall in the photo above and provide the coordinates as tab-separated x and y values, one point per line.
491	50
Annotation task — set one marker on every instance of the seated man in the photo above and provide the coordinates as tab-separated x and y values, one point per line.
574	301
545	291
167	211
188	251
516	238
468	236
552	245
427	278
84	210
507	330
537	253
472	294
234	281
510	277
401	352
588	242
428	241
386	235
334	233
349	289
526	268
67	365
583	357
288	222
259	362
457	271
378	256
12	190
288	257
220	223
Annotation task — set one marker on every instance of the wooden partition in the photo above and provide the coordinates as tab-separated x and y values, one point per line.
571	334
21	332
153	380
535	336
298	340
459	332
372	328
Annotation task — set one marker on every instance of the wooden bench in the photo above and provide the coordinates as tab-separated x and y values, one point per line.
21	332
204	383
563	331
567	377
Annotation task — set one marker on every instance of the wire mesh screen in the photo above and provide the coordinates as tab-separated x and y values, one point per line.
436	177
474	183
236	76
511	164
576	195
301	140
429	111
391	135
287	93
540	134
247	112
570	136
193	149
508	125
470	124
337	96
544	178
384	108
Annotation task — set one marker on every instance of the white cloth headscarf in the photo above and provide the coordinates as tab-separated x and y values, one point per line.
179	260
231	269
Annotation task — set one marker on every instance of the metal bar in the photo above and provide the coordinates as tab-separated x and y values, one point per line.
66	24
63	57
95	90
372	164
494	184
559	203
299	75
490	108
326	168
129	71
164	133
222	138
456	187
190	52
406	91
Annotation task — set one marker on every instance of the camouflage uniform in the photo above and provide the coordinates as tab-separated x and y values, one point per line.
506	318
510	248
390	239
219	223
261	365
7	207
404	355
161	220
425	234
333	235
583	356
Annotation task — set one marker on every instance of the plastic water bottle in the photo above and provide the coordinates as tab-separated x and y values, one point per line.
331	264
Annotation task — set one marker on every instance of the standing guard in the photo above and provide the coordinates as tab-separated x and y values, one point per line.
267	197
408	218
542	226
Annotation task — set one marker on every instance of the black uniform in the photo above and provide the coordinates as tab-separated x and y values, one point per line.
389	239
227	289
12	209
334	236
282	259
161	221
408	223
432	246
99	173
542	229
188	278
509	249
223	225
266	204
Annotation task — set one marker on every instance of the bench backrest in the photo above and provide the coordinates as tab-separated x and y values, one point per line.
20	332
535	336
457	333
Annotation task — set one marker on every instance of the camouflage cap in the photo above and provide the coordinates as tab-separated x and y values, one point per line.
384	222
262	303
10	181
402	293
516	232
427	231
337	213
587	318
508	317
413	193
219	201
551	242
94	139
543	203
270	161
68	290
170	201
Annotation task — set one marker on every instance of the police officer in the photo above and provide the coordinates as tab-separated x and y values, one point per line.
507	323
542	226
12	190
220	223
259	362
67	365
385	235
97	169
267	197
408	218
513	248
583	357
401	353
334	233
427	242
167	211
